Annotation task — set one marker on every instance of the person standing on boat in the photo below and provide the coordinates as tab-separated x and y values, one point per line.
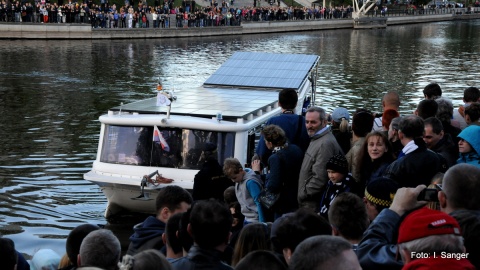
323	145
210	182
291	123
148	234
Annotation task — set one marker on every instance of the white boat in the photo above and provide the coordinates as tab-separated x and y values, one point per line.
228	110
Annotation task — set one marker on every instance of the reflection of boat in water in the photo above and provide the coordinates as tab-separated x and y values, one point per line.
137	139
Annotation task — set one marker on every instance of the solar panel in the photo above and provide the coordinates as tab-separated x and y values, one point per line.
266	70
243	85
206	102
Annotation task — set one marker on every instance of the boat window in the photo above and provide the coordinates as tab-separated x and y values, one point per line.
162	147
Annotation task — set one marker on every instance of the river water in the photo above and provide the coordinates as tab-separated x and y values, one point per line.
52	93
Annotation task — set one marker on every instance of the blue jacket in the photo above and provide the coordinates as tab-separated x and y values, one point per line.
378	249
284	169
290	124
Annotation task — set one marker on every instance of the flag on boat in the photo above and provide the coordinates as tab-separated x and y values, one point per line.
163	100
158	138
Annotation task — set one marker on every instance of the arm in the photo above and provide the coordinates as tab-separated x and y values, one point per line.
254	188
378	249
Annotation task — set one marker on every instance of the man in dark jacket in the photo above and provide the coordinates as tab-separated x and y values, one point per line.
210	182
210	223
439	142
148	235
416	164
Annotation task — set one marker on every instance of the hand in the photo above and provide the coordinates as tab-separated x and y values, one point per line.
406	199
256	165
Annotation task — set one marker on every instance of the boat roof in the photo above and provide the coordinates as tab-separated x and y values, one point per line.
245	84
268	70
207	102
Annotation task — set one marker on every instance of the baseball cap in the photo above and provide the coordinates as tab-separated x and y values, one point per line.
426	222
340	113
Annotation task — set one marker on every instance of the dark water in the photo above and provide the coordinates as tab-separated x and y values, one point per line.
52	93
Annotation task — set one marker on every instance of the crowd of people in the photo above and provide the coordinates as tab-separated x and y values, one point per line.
384	191
163	15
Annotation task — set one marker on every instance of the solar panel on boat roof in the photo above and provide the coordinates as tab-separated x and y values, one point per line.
207	102
253	69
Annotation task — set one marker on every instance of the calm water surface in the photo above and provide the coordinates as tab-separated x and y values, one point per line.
52	93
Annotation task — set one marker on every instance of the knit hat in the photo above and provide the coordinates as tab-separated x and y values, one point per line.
340	113
426	222
338	163
381	191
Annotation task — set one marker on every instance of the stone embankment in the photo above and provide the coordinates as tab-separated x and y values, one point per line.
84	31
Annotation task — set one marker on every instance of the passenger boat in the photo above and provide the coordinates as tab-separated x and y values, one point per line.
229	109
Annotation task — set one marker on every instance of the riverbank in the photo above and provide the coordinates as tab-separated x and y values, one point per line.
85	31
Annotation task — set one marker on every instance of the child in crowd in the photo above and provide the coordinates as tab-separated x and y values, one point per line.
248	186
469	145
340	181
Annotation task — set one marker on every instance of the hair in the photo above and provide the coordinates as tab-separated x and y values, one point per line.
75	238
432	91
461	186
100	248
320	111
255	236
231	166
8	253
412	126
348	215
321	252
149	259
445	110
274	134
171	197
395	122
387	117
362	122
210	223
299	226
473	111
391	99
238	212
469	222
427	108
183	235
229	195
260	260
171	230
343	126
436	124
471	94
448	243
365	161
288	99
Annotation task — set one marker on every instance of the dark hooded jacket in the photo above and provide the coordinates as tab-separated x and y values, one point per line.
147	235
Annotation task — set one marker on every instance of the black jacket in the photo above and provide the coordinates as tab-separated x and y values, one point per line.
418	167
200	258
448	149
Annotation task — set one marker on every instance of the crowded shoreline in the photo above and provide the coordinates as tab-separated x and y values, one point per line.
75	21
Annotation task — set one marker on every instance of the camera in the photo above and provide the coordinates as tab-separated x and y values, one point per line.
429	195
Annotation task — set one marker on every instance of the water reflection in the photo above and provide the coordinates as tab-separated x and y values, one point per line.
52	92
